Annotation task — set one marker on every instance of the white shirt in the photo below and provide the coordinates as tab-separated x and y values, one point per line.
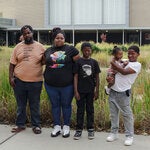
124	82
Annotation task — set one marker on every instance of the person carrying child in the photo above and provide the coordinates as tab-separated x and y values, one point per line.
120	94
86	89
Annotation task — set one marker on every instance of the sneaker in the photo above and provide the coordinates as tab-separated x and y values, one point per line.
66	131
91	134
77	135
112	137
107	90
56	131
128	141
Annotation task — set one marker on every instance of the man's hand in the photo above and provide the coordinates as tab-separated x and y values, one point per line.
12	82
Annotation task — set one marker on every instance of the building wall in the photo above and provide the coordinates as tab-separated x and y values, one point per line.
7	9
24	11
37	14
139	13
32	12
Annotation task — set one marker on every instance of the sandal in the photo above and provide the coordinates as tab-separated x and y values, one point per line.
17	129
37	130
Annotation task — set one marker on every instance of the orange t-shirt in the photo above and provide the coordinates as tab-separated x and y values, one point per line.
27	60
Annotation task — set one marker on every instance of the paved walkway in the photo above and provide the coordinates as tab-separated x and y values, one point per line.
26	140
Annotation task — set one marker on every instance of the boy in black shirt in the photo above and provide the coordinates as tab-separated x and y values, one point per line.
86	88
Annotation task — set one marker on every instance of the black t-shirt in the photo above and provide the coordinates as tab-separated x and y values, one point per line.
86	70
59	65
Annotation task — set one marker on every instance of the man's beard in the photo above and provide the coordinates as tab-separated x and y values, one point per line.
28	41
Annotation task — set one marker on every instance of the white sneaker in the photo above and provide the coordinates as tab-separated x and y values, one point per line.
112	137
128	141
66	131
107	90
56	131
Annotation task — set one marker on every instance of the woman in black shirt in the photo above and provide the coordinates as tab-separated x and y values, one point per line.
58	77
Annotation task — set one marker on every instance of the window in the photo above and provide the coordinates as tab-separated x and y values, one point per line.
87	11
114	12
60	12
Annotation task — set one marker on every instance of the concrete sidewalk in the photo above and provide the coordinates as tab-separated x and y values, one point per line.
27	140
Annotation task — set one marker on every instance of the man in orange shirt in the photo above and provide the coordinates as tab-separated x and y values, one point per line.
25	76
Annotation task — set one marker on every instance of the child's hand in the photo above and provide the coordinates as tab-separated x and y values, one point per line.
110	79
125	63
77	96
96	95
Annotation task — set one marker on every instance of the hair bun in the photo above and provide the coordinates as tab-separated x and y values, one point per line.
56	29
115	46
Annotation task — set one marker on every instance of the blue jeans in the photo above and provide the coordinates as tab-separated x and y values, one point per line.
61	99
28	92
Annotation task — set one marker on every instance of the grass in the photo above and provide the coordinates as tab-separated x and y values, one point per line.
140	101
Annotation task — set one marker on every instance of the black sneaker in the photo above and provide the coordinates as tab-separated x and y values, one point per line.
77	135
90	134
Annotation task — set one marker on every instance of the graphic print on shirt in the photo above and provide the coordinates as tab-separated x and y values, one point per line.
87	70
57	58
26	53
